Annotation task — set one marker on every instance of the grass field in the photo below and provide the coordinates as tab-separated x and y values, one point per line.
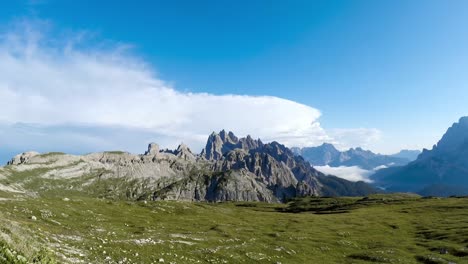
376	229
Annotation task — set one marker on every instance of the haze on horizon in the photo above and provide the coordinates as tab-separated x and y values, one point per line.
385	75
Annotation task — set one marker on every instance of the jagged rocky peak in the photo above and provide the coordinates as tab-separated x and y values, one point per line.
221	143
455	137
361	152
276	149
182	147
153	149
184	152
328	146
248	143
228	137
213	148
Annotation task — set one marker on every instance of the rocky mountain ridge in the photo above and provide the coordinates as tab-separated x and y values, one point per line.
227	169
327	154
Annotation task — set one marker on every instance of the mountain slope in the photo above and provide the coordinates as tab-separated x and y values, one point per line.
441	171
327	154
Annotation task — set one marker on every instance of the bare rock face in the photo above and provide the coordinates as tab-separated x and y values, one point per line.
153	149
214	147
228	137
231	186
249	143
184	152
453	140
219	144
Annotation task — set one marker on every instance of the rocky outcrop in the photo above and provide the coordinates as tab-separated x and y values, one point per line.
236	185
22	158
184	152
216	146
153	149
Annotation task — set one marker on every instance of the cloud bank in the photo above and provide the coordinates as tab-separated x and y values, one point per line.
63	91
351	173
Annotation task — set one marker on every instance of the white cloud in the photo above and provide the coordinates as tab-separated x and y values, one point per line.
62	86
382	167
352	173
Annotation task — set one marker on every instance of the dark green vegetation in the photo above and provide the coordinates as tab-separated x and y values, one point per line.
334	186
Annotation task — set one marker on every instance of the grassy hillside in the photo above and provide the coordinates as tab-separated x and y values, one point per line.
378	229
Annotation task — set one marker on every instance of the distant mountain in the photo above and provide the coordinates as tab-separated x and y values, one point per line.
441	171
327	154
227	169
319	156
407	154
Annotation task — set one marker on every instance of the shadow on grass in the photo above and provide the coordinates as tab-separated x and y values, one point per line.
339	205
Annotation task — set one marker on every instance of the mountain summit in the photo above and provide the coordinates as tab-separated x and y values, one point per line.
218	144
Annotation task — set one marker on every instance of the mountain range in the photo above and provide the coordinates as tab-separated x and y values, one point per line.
327	154
228	169
245	169
441	171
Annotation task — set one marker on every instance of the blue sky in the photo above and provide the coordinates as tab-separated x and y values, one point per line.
383	74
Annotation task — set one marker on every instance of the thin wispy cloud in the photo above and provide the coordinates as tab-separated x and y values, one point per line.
67	83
